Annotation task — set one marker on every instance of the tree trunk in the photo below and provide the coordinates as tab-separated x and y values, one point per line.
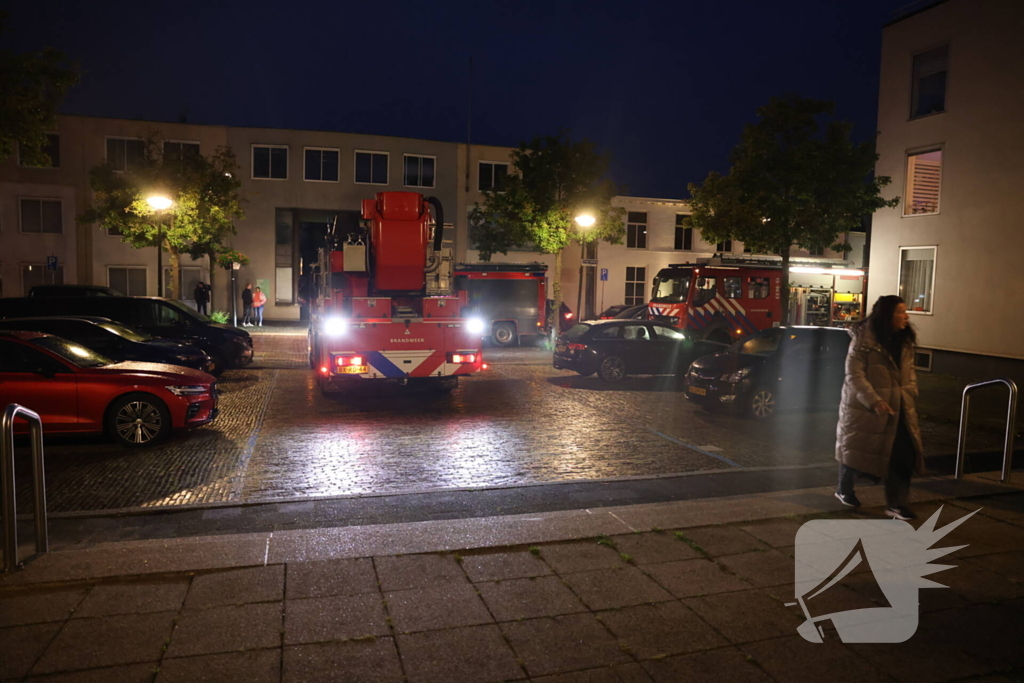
175	289
556	295
784	286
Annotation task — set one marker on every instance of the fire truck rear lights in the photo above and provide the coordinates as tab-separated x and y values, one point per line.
324	370
462	357
349	360
577	347
484	366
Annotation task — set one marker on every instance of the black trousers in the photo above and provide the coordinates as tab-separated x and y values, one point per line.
201	307
901	468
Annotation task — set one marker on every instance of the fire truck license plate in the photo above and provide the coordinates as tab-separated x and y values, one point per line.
353	370
699	391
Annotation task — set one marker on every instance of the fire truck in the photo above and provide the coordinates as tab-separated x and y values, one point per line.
725	299
509	298
385	308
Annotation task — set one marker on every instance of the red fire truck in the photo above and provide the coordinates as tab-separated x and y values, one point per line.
723	299
508	297
385	309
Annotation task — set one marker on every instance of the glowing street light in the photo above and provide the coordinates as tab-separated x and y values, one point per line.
585	220
160	203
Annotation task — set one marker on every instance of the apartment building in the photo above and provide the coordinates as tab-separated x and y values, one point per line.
952	84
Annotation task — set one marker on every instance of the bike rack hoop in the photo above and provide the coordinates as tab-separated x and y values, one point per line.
1011	418
8	484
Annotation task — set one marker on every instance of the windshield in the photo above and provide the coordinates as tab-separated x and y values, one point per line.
126	332
761	344
187	311
577	331
72	352
671	286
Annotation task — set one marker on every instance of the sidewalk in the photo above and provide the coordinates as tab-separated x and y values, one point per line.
690	590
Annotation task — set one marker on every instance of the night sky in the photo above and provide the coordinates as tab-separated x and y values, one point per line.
665	88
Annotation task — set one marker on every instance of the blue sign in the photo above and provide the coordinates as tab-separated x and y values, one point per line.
51	263
604	274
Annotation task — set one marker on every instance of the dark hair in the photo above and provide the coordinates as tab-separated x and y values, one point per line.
880	321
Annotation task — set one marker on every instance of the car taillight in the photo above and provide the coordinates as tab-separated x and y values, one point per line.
344	361
568	316
461	357
577	347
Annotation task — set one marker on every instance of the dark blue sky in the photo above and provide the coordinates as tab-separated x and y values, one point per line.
665	88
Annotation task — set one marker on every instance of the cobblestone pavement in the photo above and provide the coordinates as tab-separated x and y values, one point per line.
519	423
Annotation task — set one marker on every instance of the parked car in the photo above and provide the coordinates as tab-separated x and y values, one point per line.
227	346
617	348
613	311
72	290
775	368
76	390
114	340
634	313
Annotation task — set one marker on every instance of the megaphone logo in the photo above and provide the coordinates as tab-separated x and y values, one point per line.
897	556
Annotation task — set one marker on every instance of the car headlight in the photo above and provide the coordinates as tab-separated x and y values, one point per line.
187	389
737	376
335	327
475	326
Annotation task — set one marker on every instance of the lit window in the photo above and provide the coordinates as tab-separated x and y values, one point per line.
917	277
924	180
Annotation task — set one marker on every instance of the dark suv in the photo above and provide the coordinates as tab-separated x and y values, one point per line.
227	346
72	290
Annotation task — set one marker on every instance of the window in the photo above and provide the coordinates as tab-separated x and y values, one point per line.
492	176
322	165
636	230
175	151
610	332
724	247
684	233
733	287
52	150
928	94
917	277
419	171
668	333
125	153
924	179
635	333
130	281
190	277
636	286
705	291
764	343
42	216
923	359
372	168
815	251
283	285
758	287
270	162
34	274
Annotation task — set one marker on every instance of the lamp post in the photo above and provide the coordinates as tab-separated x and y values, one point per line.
584	220
160	203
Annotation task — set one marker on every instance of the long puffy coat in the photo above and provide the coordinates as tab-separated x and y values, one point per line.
864	440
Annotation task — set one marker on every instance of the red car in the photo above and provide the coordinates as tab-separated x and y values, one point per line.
76	390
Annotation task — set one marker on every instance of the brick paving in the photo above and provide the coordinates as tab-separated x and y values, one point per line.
658	605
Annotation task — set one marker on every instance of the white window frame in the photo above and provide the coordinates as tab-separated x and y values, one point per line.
418	156
646	224
906	178
125	267
252	161
948	44
357	152
41	168
935	268
120	137
21	216
506	164
627	281
320	149
931	359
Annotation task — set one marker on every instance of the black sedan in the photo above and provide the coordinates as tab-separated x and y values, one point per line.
617	348
114	340
775	368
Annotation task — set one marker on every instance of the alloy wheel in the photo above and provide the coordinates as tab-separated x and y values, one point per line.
613	369
138	422
762	403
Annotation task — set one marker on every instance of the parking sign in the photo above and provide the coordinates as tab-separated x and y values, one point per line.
51	263
604	274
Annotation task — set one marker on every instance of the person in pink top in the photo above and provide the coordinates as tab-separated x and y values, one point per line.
259	300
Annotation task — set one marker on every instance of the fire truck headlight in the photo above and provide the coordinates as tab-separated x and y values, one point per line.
335	327
475	326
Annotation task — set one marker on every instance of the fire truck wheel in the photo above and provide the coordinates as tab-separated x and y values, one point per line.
613	369
505	334
761	404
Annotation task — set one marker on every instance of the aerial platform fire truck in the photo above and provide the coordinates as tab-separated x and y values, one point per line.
386	310
724	299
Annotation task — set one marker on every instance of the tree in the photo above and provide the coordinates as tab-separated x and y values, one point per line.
553	180
204	192
33	84
792	182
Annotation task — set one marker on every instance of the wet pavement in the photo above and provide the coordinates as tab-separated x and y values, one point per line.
520	423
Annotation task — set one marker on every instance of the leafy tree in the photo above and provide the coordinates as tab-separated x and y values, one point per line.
33	84
553	180
204	192
794	181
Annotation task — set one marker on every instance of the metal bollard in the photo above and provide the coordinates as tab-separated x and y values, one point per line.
7	482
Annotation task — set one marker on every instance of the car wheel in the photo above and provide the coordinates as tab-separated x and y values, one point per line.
138	420
504	334
761	404
612	369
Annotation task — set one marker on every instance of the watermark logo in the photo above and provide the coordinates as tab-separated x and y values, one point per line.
894	555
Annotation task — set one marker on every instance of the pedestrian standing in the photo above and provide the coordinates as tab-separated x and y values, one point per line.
202	296
878	433
259	299
247	305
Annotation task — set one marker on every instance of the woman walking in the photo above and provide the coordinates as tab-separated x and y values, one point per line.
878	433
259	299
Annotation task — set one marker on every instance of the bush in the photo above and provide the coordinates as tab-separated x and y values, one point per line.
219	317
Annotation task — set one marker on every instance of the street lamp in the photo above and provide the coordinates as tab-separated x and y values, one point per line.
160	203
584	220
